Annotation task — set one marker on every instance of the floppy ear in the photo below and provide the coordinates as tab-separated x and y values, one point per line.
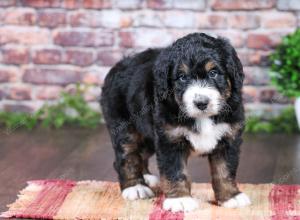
233	65
162	72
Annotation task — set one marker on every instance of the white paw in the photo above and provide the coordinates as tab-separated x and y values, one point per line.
151	180
185	204
240	200
138	191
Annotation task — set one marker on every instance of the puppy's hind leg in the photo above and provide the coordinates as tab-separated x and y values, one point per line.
129	166
150	179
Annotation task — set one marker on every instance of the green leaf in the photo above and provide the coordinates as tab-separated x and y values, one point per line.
55	116
285	62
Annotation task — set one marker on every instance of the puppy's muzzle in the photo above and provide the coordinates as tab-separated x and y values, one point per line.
201	102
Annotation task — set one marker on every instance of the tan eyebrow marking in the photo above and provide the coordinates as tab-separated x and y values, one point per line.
228	90
209	65
184	68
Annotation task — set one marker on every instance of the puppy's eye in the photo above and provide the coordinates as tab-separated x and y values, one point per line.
213	73
183	78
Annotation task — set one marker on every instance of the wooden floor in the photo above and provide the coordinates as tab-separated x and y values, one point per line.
87	154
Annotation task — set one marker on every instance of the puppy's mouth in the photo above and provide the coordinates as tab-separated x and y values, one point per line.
200	100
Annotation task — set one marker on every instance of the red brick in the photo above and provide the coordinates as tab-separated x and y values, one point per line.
242	4
125	22
90	78
250	94
109	19
243	56
51	76
159	4
48	92
260	58
270	95
23	35
108	57
2	11
212	21
83	38
15	55
278	20
243	21
2	94
126	39
6	3
71	4
8	74
254	57
256	76
19	93
236	38
263	41
18	108
104	38
51	18
19	16
75	38
40	3
95	76
47	56
97	4
84	18
79	57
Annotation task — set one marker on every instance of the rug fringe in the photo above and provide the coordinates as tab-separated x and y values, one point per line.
25	197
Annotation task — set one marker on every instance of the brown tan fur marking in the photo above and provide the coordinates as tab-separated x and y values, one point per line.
209	65
172	135
133	162
236	128
184	68
181	188
228	90
224	186
145	157
175	189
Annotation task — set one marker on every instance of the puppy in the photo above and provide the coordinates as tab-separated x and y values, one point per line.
177	101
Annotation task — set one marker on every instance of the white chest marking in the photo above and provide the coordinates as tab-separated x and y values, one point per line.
205	139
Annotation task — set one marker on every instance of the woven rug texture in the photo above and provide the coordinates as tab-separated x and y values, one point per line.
62	199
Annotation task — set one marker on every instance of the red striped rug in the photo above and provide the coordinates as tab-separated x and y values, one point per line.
58	199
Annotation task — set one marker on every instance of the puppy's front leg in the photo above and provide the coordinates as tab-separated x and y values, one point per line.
172	159
223	164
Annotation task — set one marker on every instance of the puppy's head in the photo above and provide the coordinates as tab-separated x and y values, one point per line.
201	73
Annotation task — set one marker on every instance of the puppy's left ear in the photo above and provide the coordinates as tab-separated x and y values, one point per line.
233	65
162	74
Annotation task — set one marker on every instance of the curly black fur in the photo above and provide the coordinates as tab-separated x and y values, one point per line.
141	97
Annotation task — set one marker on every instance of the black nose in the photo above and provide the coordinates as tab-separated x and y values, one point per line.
202	105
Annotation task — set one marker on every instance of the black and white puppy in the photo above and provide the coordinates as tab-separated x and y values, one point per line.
177	101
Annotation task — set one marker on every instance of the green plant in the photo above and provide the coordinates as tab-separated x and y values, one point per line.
71	109
285	122
285	65
12	120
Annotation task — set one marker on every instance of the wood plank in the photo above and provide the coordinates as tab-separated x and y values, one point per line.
33	157
287	169
82	154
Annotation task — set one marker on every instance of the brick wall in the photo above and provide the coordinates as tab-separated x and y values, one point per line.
47	46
